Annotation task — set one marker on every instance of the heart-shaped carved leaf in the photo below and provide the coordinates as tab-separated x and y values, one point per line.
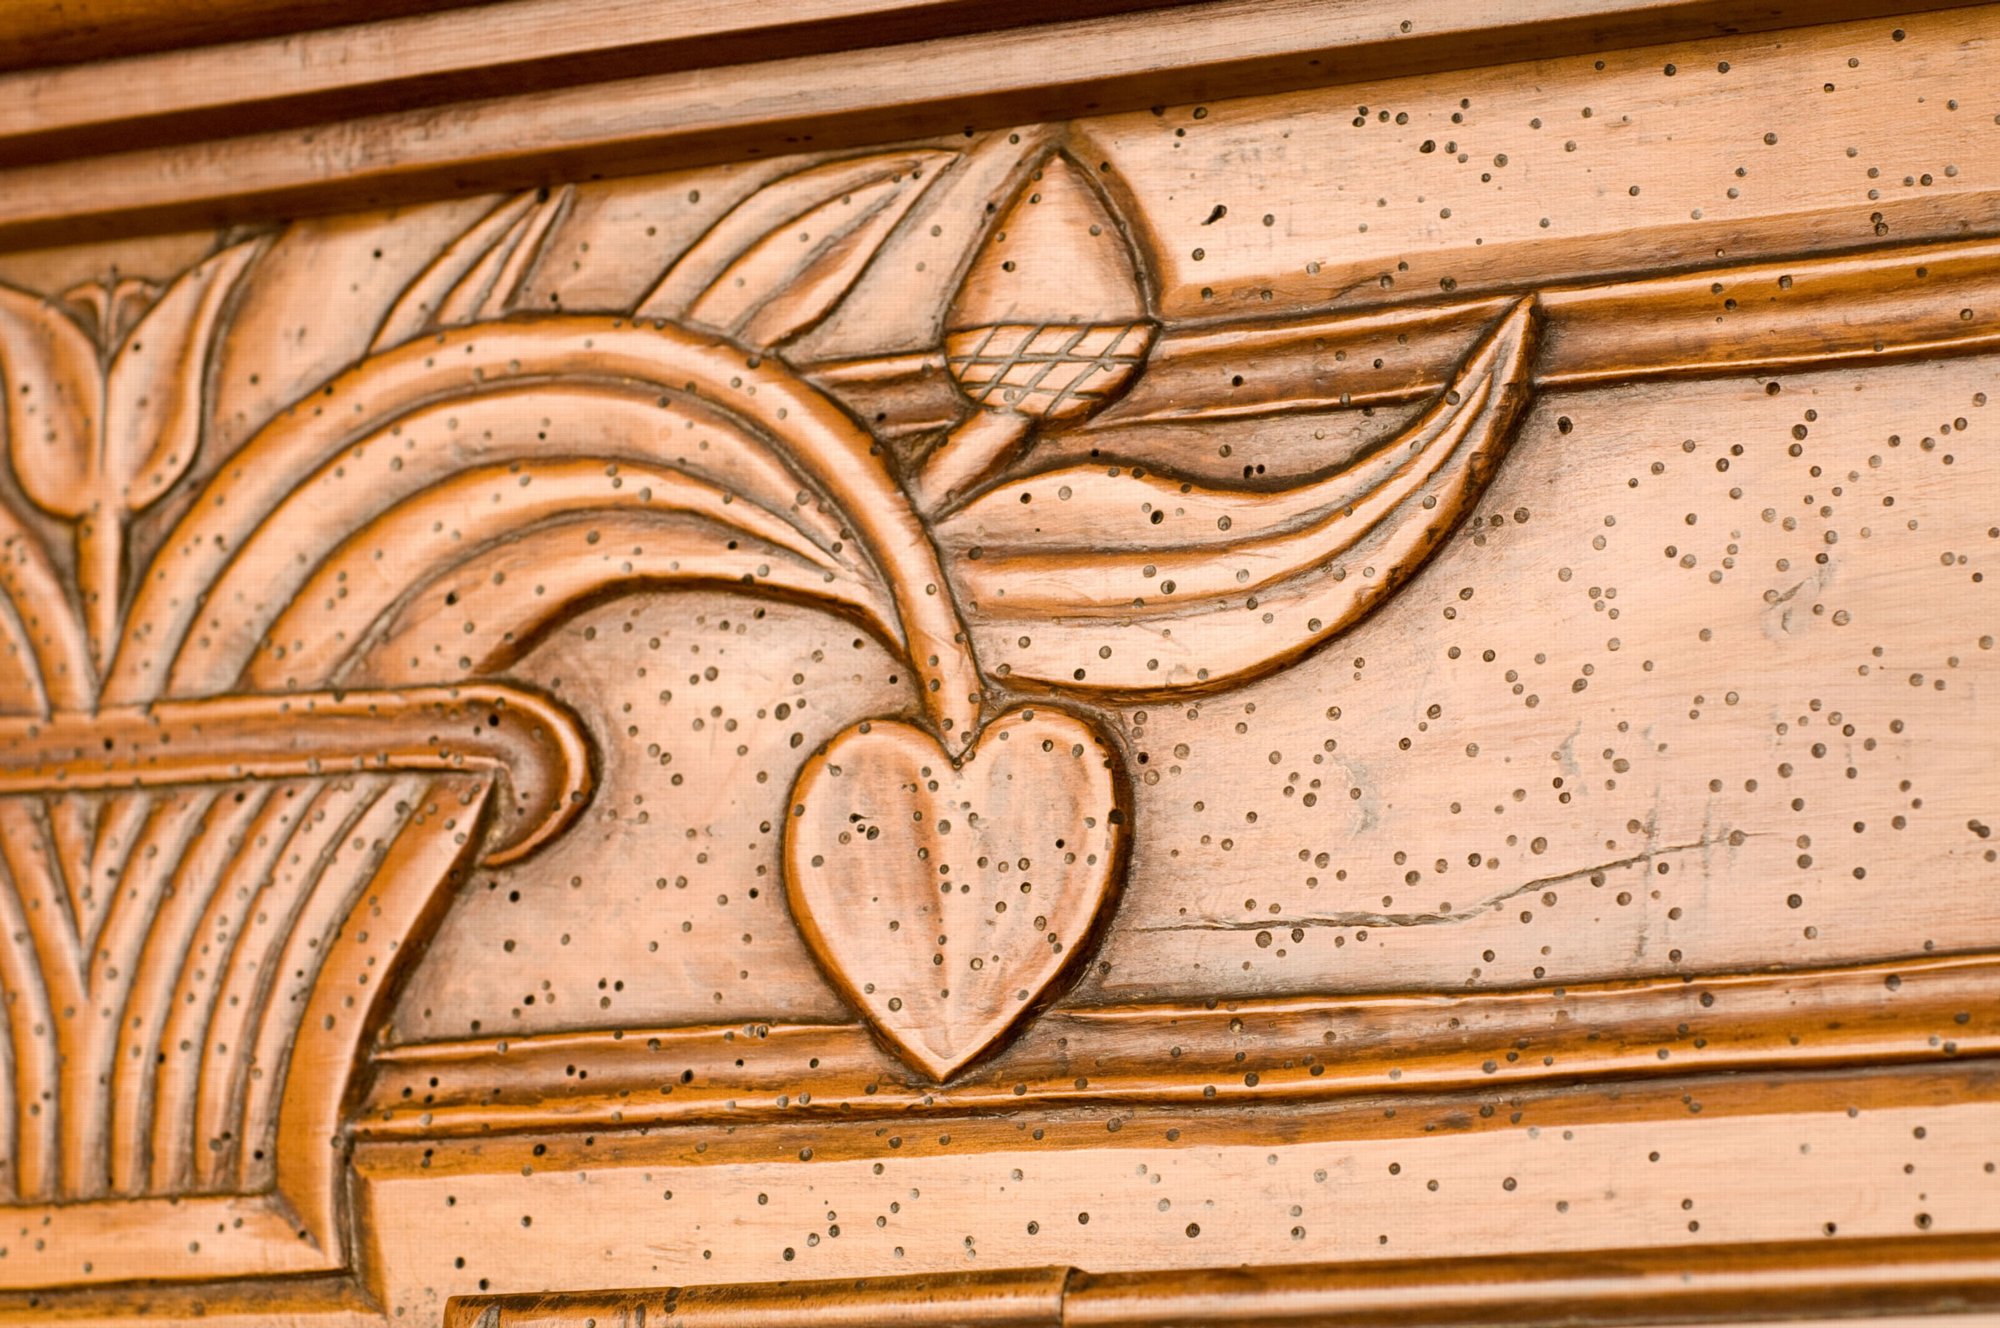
945	901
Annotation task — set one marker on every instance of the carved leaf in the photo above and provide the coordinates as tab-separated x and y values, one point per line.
741	470
782	258
480	273
433	532
878	808
153	390
53	394
1184	584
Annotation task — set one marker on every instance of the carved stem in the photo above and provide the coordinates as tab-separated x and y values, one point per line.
972	450
829	451
100	575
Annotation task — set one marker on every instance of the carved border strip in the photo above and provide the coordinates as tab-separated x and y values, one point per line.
1788	1280
619	123
432	52
1291	1049
1789	315
294	52
38	35
343	1303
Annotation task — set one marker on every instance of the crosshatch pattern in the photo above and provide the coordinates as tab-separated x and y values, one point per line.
1051	372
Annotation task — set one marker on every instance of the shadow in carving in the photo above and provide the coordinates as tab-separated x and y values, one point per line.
240	778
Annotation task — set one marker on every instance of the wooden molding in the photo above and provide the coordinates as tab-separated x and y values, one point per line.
1713	1284
682	646
1872	306
1228	1054
470	51
237	133
55	32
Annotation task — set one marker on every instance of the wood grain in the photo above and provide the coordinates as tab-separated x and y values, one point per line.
52	32
1357	684
1745	1284
1181	55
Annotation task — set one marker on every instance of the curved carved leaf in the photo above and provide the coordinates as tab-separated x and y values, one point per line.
1183	584
377	519
39	632
771	463
53	410
480	273
472	619
450	524
781	259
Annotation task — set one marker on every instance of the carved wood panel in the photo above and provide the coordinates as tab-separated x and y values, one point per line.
1386	685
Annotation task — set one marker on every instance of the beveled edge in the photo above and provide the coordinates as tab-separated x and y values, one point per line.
1203	1056
1746	1283
395	129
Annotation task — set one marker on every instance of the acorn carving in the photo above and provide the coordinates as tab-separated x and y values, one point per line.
1049	326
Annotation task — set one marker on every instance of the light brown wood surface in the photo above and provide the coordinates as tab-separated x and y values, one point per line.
51	32
1243	662
220	163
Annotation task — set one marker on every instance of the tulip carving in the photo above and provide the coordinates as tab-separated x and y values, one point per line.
161	1039
105	411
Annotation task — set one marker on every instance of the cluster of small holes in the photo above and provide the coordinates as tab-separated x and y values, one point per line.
664	904
1698	678
1408	188
1505	1174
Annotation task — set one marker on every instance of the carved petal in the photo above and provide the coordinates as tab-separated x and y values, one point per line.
53	401
153	397
1184	585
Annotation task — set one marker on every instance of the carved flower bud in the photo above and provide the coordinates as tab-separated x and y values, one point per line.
102	422
1051	322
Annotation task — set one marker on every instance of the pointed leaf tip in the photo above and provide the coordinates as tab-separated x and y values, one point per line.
1151	582
781	259
153	393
